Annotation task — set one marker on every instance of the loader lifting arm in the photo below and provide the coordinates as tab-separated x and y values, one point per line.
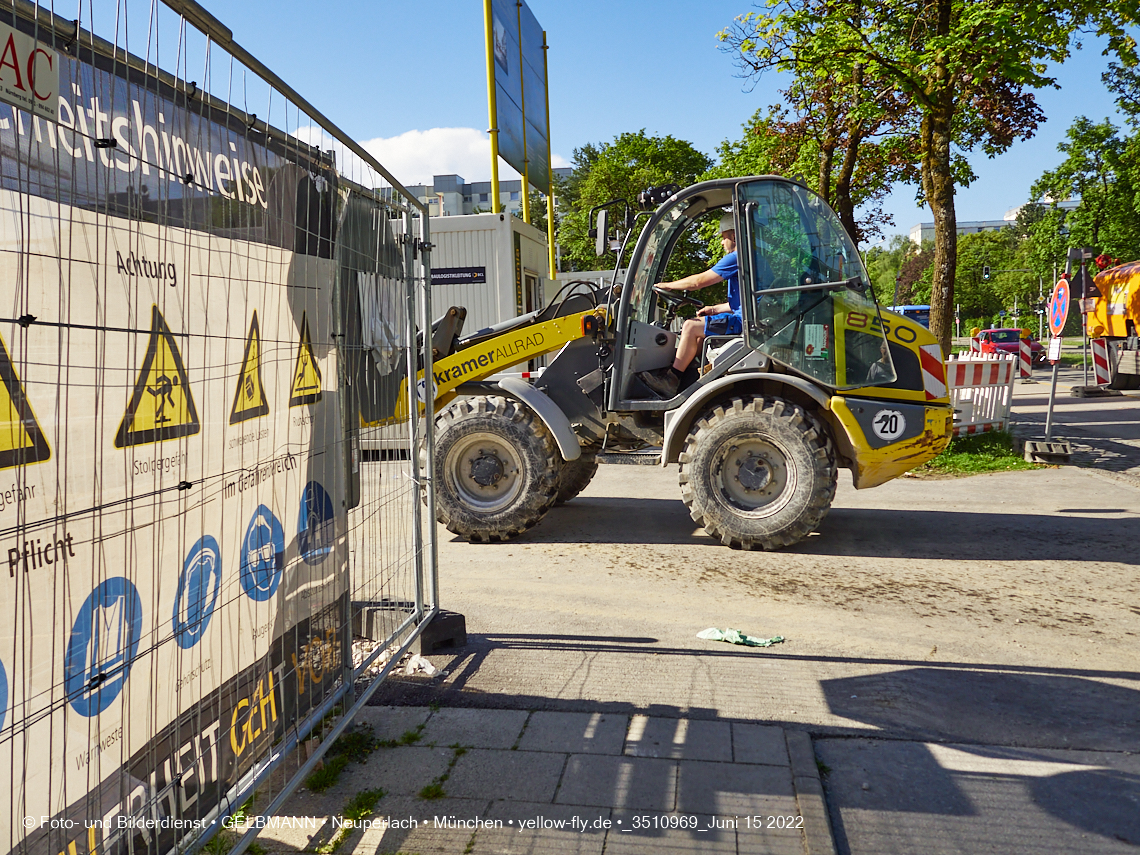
486	354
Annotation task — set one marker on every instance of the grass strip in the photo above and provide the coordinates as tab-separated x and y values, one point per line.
976	454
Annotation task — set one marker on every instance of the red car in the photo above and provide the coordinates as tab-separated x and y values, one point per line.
1009	341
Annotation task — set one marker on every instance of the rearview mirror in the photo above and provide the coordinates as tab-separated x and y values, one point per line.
601	243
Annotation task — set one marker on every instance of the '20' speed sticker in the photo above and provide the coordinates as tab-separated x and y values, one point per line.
888	424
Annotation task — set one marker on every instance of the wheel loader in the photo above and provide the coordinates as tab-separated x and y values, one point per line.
763	419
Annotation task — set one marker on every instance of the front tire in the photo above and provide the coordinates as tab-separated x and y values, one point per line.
758	473
575	476
497	468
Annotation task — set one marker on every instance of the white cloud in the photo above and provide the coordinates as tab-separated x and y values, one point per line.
415	156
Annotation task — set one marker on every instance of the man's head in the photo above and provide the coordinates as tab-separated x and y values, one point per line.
728	232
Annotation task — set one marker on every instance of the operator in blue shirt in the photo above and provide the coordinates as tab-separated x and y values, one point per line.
722	319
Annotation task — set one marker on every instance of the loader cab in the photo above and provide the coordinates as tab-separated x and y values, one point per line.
806	299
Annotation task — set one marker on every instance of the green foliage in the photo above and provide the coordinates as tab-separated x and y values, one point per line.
965	69
1101	169
435	790
621	169
327	775
408	737
538	211
361	805
976	454
353	746
885	265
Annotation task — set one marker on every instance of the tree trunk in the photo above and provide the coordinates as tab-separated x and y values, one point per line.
938	188
844	207
843	204
826	158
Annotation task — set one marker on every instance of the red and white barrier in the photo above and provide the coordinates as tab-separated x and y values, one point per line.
975	345
933	371
1025	359
1101	360
981	390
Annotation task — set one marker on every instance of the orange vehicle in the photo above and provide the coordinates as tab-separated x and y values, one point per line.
1115	316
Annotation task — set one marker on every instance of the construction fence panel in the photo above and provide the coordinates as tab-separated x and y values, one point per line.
205	292
981	390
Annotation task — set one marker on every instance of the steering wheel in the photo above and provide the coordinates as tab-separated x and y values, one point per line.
676	299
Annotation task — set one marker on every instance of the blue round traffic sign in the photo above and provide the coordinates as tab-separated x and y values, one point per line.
316	525
262	555
102	646
1059	307
3	694
198	588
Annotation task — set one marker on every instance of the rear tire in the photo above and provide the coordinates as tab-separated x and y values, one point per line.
758	473
575	476
497	468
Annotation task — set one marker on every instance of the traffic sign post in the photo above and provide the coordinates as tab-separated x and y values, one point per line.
1058	313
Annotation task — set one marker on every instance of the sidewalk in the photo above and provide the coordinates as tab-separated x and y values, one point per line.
1104	432
511	781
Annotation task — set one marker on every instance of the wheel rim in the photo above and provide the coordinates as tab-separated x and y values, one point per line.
487	472
754	475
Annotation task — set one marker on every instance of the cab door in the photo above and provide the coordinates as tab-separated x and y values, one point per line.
806	297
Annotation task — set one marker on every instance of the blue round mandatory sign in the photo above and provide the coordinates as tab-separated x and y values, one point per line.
316	527
102	646
198	588
262	555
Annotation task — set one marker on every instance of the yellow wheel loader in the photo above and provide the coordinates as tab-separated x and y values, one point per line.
819	379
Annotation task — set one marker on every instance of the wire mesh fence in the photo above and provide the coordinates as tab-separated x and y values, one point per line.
206	290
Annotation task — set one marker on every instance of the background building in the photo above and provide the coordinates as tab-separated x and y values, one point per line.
925	231
450	195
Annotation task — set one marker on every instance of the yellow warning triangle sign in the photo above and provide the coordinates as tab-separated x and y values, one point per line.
249	397
306	388
162	406
21	440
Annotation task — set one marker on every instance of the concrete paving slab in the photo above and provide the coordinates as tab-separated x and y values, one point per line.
668	834
513	775
294	832
420	826
635	783
400	771
895	796
575	733
533	827
680	738
734	789
757	840
393	722
759	743
475	729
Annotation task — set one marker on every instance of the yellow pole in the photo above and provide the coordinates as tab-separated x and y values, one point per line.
526	160
489	25
549	163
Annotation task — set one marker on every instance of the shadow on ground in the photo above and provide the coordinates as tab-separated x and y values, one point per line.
863	532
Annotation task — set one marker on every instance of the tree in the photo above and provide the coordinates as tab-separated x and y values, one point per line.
885	265
1100	170
849	175
621	169
965	67
846	130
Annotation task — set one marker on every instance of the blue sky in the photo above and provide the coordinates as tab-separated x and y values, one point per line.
393	74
